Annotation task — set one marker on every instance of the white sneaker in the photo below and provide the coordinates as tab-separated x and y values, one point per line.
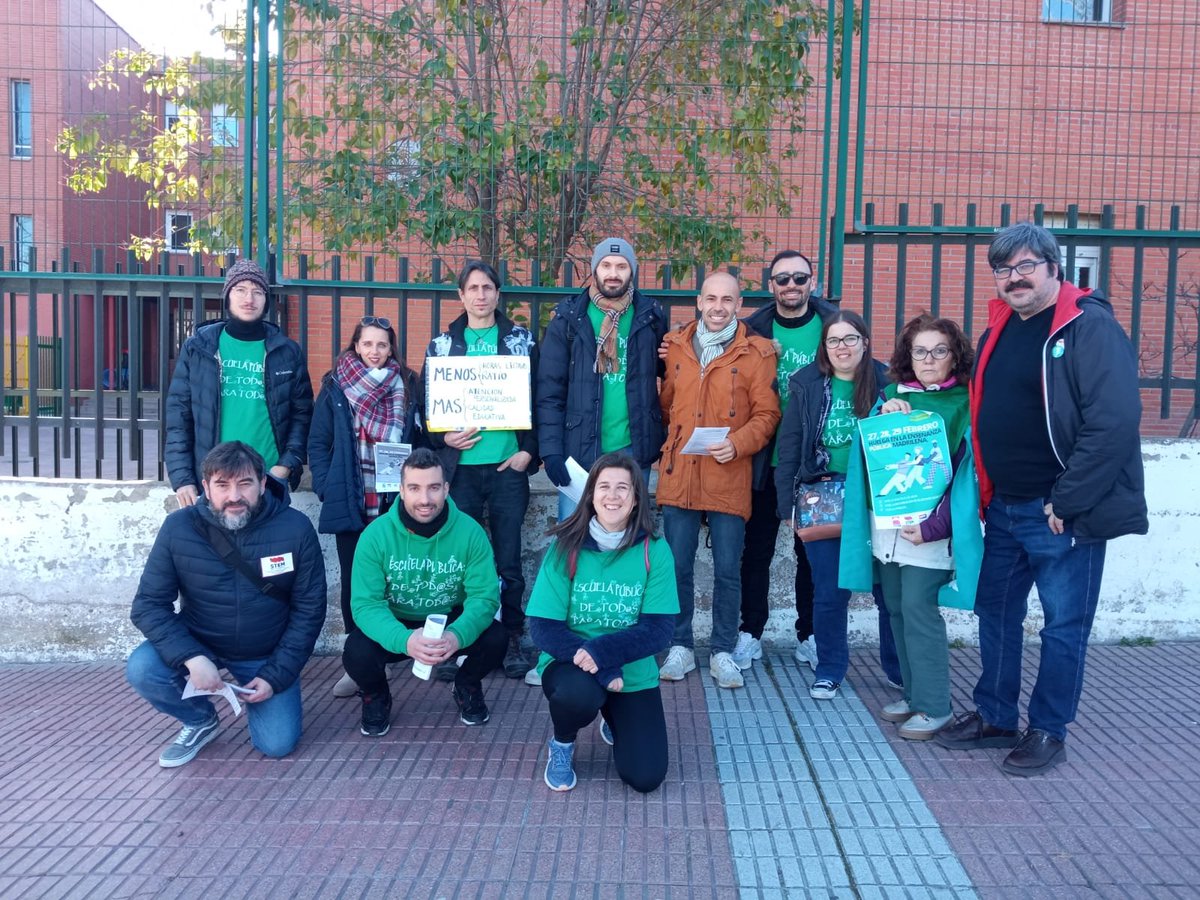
533	677
806	652
725	671
896	711
345	687
748	649
680	660
922	727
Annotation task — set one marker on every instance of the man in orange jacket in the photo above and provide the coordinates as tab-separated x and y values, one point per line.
718	376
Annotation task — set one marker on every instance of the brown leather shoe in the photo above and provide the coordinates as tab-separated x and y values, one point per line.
1036	752
970	732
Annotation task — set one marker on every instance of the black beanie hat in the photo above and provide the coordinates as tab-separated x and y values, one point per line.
246	270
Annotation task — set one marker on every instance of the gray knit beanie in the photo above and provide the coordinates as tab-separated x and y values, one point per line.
614	246
246	270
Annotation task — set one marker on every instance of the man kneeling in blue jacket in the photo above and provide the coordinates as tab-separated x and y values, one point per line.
250	579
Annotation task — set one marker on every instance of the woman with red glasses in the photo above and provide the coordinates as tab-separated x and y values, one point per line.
370	397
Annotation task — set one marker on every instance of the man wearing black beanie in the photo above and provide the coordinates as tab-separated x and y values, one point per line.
240	378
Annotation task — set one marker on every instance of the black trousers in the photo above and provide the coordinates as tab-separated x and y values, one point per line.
346	541
365	661
762	529
638	724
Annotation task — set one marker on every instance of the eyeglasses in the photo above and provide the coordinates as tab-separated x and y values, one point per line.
850	340
800	278
375	321
941	351
1024	267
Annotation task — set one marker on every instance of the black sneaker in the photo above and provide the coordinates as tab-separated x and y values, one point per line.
376	714
471	708
516	664
446	671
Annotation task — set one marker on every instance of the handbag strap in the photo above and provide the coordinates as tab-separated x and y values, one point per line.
231	557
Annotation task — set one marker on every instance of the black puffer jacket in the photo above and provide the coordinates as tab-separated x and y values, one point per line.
222	614
194	403
762	323
514	341
569	392
333	454
802	455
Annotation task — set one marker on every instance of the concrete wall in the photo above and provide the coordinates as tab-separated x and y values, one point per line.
74	551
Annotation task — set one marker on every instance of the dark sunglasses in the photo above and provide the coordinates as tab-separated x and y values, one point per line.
800	278
376	321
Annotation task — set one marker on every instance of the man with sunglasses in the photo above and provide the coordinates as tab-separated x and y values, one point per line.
491	469
240	378
1055	412
793	324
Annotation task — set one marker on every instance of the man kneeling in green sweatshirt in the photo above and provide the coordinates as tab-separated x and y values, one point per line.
423	557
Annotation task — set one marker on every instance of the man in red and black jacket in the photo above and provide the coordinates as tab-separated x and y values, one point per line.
1055	412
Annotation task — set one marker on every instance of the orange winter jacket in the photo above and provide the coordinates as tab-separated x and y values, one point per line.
738	391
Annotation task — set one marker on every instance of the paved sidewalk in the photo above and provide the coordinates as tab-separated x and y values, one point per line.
769	794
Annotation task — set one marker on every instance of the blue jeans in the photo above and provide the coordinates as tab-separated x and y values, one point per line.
567	506
682	530
1020	550
831	617
275	724
506	496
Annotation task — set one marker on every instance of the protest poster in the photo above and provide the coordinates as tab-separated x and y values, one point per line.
477	392
908	465
389	458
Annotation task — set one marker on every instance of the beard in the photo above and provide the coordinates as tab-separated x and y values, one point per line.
235	521
613	293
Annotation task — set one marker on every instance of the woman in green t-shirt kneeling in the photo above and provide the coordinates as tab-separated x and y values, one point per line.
603	604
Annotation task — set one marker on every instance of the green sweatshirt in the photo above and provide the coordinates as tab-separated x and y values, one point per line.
610	590
400	575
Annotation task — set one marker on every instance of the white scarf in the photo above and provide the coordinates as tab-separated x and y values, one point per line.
605	540
712	343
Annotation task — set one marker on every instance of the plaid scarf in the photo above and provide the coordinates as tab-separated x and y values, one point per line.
608	355
377	407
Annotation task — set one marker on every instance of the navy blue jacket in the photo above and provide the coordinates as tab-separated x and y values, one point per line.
802	455
194	402
513	340
333	454
762	323
567	408
222	614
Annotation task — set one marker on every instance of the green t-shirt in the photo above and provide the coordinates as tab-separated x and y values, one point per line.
614	402
244	415
494	446
799	347
840	426
610	590
399	575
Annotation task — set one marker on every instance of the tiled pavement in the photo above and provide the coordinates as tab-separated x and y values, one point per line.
769	795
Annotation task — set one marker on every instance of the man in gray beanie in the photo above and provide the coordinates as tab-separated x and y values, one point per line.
239	378
597	383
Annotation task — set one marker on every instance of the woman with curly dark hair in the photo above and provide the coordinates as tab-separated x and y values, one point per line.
929	370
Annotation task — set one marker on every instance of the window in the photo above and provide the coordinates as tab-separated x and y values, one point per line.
179	232
171	114
1077	10
402	164
21	94
224	127
1085	267
22	243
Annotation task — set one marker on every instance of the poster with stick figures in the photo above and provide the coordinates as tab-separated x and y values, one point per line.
906	456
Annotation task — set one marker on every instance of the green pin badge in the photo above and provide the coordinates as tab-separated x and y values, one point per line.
1059	349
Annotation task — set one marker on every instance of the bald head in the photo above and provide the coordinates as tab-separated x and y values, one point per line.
719	301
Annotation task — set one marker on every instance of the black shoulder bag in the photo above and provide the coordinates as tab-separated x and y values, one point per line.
231	557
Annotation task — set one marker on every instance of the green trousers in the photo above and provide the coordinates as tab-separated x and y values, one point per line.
910	593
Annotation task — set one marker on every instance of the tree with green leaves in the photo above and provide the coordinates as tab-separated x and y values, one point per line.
518	131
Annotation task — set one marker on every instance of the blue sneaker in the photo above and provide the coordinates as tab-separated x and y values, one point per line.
560	776
605	732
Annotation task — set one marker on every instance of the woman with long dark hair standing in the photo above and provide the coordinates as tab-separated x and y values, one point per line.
827	398
603	604
369	397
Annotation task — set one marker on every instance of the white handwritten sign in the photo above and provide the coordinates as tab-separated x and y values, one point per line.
477	392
